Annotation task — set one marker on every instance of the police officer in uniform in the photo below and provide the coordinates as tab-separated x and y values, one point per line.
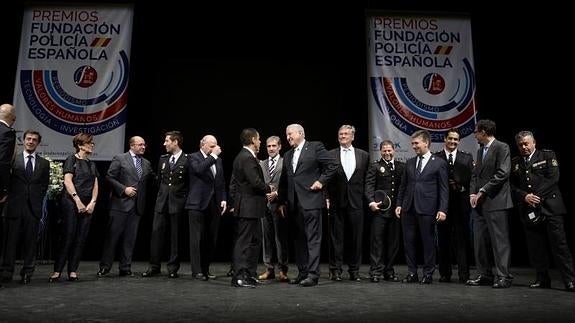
385	236
535	185
173	188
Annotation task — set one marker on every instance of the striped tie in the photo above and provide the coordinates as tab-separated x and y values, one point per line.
272	167
139	166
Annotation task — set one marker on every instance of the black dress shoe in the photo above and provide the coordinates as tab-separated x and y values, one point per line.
480	281
502	283
445	279
150	272
426	280
374	279
570	286
125	273
410	278
541	284
26	278
200	276
210	275
308	282
242	283
391	278
230	272
297	280
354	277
254	281
103	272
173	275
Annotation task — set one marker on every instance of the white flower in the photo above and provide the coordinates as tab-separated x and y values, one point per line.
56	179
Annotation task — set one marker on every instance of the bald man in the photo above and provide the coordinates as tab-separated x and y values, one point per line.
7	144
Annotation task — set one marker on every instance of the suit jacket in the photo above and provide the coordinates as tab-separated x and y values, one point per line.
380	177
344	193
7	146
427	192
491	174
541	177
459	173
250	187
173	184
314	164
275	179
122	173
27	191
203	185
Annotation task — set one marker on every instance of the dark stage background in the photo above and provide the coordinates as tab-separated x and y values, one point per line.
220	69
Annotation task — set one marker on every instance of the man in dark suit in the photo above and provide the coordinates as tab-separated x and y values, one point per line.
128	175
385	237
307	168
173	180
453	234
422	201
28	185
7	146
206	202
249	207
346	204
535	185
275	228
490	195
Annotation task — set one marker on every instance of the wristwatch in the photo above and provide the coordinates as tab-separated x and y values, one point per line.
74	194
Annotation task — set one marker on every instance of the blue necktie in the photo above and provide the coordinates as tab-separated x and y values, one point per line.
172	163
139	166
29	167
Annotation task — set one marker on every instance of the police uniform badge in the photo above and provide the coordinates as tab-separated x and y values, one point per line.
382	169
163	165
554	162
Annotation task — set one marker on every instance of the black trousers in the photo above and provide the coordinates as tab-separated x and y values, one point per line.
19	233
204	226
550	234
345	221
74	230
412	222
247	247
121	226
385	240
162	221
454	236
307	241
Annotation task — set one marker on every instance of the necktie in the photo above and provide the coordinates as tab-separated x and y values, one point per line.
295	159
390	164
450	159
526	160
139	166
29	167
485	148
172	162
419	164
348	166
272	167
213	169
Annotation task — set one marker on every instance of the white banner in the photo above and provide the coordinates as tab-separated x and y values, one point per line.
420	76
73	75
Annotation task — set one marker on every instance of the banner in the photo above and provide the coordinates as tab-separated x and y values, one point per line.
420	76
72	77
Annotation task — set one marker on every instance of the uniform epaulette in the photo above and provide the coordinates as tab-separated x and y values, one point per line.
547	151
464	152
165	155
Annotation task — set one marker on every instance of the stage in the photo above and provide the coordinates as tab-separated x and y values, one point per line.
137	299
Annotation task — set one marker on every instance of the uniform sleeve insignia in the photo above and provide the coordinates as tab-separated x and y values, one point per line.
516	167
540	163
382	169
163	165
554	162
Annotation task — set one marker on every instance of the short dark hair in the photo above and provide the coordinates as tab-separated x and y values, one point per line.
32	132
81	139
175	135
247	135
487	125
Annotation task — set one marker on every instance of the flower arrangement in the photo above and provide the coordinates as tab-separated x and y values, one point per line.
56	179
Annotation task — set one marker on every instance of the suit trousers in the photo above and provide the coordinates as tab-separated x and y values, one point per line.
308	241
159	224
20	232
410	222
345	222
454	236
550	234
73	234
275	240
491	241
204	226
247	247
124	226
385	241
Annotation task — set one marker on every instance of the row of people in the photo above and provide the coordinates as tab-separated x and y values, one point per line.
423	191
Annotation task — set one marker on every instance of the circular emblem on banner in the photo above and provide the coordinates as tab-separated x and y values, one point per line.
85	76
433	83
